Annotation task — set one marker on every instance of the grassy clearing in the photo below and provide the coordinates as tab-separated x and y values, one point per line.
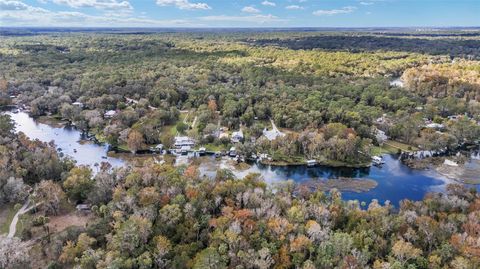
7	212
213	147
123	147
400	145
384	149
23	222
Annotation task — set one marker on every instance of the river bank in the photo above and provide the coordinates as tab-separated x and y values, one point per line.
467	173
331	163
395	181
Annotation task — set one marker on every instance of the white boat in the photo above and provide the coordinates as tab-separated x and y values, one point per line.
377	160
311	163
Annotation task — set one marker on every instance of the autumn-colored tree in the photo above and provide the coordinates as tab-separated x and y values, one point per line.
192	172
131	235
135	141
405	251
162	248
50	195
148	196
3	86
73	250
212	105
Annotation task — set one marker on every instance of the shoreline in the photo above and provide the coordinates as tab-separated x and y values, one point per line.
59	123
333	164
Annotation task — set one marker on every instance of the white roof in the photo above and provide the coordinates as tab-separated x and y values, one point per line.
450	162
435	125
272	134
183	139
110	113
237	134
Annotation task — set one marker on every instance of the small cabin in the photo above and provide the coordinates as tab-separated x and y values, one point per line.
237	137
380	136
436	126
272	134
78	104
110	113
83	207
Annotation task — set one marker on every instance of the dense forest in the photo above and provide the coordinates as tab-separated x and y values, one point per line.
226	80
158	216
329	93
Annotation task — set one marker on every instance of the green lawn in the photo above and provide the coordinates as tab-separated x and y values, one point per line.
213	147
384	149
123	147
400	145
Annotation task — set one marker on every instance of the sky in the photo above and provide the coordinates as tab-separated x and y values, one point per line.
240	13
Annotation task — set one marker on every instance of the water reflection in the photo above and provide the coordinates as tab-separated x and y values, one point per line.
68	139
395	180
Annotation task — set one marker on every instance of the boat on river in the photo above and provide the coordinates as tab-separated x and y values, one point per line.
377	160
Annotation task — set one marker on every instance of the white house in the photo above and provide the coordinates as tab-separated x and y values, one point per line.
380	136
272	134
79	104
110	113
434	125
183	141
237	137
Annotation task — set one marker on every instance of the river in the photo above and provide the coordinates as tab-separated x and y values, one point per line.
395	180
68	139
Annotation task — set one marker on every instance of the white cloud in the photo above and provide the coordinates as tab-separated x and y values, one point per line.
370	2
183	4
250	9
294	7
251	18
12	5
35	16
99	4
330	12
268	3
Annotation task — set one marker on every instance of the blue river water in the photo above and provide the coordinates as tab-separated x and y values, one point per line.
395	180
